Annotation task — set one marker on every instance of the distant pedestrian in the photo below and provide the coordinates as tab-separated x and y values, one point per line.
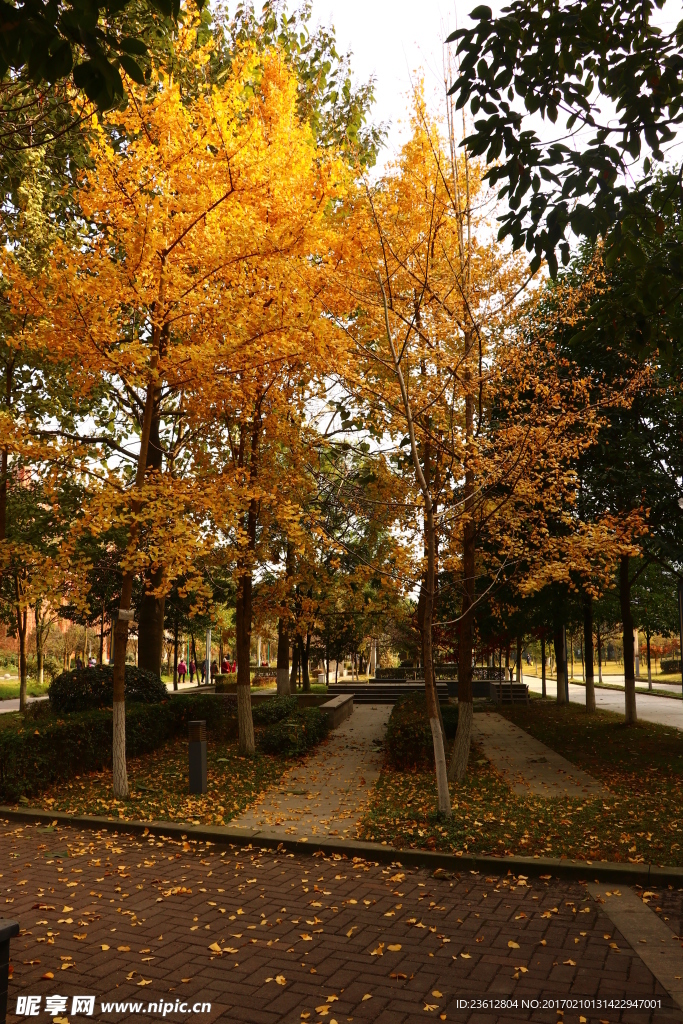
225	666
182	671
233	667
193	669
203	672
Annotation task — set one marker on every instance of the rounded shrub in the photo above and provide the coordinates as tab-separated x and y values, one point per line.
295	734
82	689
409	740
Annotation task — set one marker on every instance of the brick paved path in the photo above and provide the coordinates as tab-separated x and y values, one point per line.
301	938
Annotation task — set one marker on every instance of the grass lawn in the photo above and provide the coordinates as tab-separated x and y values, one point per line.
10	689
158	784
642	766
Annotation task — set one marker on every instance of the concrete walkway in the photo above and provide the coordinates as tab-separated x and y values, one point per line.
656	945
327	794
12	704
658	710
527	765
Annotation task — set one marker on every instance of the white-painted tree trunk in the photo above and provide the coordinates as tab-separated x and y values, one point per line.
441	773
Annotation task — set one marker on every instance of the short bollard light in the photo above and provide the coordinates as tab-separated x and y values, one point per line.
197	757
8	929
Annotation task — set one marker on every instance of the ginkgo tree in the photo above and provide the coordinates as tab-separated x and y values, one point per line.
194	217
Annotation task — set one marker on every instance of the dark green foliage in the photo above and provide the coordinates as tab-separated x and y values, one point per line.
273	710
296	733
670	664
79	690
46	748
551	59
409	735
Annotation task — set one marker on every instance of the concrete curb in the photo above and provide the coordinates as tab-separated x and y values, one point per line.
558	867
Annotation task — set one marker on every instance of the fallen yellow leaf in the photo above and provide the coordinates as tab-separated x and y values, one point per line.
48	974
145	981
437	994
281	980
394	948
366	996
465	956
104	947
123	949
379	951
570	962
513	945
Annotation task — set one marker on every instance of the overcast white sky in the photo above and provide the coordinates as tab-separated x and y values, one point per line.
392	39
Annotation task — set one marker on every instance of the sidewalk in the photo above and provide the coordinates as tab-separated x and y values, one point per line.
529	767
261	936
327	795
658	710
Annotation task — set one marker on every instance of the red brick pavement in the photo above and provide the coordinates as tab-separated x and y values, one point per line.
302	938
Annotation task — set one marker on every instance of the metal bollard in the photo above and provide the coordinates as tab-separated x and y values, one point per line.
8	929
197	757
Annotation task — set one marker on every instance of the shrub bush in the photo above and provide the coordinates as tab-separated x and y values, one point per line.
267	712
295	734
670	665
409	740
47	748
82	689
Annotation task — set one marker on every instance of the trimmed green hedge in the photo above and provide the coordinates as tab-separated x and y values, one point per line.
296	733
85	688
409	736
267	712
668	664
50	748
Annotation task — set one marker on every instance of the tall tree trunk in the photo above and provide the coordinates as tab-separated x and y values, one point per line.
4	453
433	711
649	663
245	722
588	652
100	659
119	772
599	657
560	666
630	716
304	652
21	614
175	653
543	685
295	665
463	734
283	687
151	614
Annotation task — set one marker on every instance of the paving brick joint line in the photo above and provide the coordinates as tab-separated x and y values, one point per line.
269	935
